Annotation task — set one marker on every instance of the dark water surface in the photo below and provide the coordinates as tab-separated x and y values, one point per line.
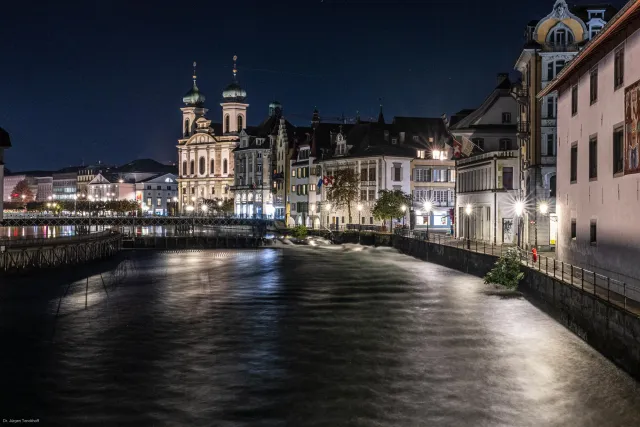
295	337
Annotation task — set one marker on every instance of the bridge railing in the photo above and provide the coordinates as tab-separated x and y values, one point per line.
8	243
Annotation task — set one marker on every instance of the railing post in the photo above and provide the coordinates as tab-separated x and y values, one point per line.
582	278
624	293
476	246
546	265
594	283
571	274
608	286
539	262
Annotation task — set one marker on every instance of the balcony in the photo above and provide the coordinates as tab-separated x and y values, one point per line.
561	47
521	94
488	156
523	129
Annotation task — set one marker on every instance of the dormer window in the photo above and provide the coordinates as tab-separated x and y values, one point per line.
596	14
416	138
560	35
595	29
394	141
420	154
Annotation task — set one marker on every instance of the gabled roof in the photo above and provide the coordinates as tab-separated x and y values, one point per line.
501	90
424	127
162	177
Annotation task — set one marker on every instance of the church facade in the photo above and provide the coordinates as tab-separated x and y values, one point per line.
205	149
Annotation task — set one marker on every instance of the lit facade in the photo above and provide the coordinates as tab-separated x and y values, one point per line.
64	186
550	44
205	150
45	188
252	188
598	152
158	195
488	180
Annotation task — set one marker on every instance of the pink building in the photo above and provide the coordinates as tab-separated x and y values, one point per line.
598	177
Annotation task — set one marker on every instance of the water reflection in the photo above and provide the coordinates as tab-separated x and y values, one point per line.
37	232
304	336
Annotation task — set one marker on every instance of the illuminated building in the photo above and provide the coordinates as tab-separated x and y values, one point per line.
599	151
550	43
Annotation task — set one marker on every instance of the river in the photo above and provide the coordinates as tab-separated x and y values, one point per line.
302	336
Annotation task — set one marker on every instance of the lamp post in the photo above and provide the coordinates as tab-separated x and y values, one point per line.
75	203
328	208
468	211
312	210
404	209
359	217
427	208
519	211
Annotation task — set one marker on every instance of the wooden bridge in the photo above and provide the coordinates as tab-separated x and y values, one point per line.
23	255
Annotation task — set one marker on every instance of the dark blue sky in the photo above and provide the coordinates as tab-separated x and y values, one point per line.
103	80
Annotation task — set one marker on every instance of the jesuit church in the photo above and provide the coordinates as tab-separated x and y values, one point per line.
205	149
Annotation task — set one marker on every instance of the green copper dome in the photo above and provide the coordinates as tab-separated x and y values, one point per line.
234	92
194	98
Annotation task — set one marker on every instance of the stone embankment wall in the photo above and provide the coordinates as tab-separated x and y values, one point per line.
609	329
195	242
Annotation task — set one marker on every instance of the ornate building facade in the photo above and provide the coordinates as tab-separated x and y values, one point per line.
550	43
205	149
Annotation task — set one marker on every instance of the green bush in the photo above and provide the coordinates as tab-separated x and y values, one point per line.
299	232
506	271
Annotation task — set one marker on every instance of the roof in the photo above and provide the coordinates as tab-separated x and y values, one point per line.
582	11
146	165
628	12
502	89
35	173
5	141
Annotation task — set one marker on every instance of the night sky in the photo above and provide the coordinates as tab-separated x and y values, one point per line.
103	80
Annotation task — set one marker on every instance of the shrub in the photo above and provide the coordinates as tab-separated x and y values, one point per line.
506	271
299	232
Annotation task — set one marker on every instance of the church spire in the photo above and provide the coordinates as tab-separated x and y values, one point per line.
380	115
194	73
235	69
315	120
357	116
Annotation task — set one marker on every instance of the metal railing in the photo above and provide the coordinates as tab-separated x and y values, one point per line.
618	293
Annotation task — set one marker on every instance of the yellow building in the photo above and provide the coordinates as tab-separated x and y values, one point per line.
550	43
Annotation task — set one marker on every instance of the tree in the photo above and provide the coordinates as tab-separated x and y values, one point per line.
219	206
344	189
389	205
299	232
22	189
506	271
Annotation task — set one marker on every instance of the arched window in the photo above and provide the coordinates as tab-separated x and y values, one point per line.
186	127
227	126
224	166
184	167
239	123
552	186
203	166
211	168
560	35
192	167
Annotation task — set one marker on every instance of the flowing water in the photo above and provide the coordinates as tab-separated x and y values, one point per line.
300	336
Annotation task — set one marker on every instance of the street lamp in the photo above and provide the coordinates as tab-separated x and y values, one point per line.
468	211
544	208
519	210
359	217
427	208
404	209
204	208
189	208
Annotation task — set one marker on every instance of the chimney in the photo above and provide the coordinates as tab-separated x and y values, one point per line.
502	77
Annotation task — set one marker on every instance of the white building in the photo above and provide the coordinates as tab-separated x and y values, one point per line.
598	151
304	175
45	188
487	181
158	194
253	195
107	186
5	142
374	152
205	150
550	43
